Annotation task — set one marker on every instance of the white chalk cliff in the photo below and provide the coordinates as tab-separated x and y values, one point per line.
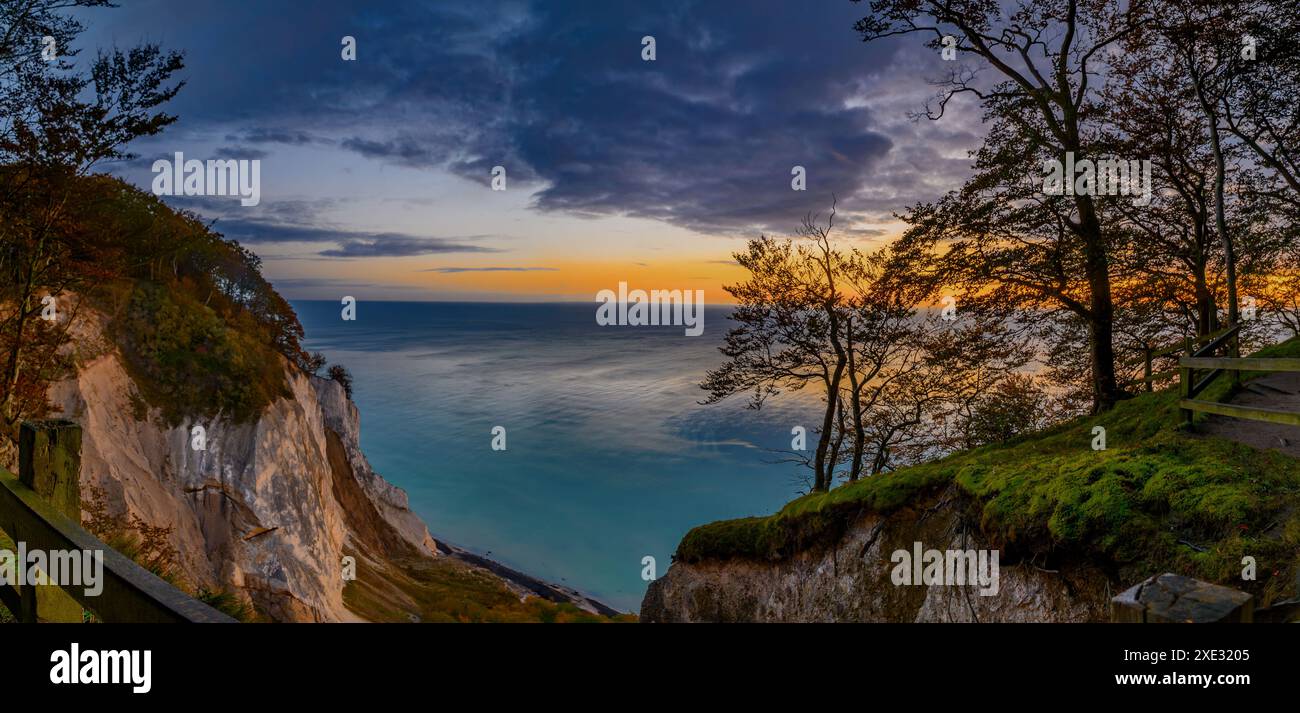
269	509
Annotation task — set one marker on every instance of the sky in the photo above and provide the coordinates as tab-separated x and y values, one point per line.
376	173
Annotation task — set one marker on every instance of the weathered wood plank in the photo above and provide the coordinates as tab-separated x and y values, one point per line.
1253	413
1205	381
1172	598
1228	335
1176	348
1243	364
49	462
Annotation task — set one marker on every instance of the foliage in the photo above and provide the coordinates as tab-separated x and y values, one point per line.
1136	504
1014	407
445	590
147	545
150	547
189	362
227	603
339	373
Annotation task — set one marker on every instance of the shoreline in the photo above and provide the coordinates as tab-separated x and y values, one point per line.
526	583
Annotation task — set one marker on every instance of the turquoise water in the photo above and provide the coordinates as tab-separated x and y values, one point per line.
609	457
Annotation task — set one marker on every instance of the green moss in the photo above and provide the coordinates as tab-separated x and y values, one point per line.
1152	500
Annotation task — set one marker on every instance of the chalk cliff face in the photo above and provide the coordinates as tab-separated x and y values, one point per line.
266	509
849	581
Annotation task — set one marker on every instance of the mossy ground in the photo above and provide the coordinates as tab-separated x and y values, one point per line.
1159	498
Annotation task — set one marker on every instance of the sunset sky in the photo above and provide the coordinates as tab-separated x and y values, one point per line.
375	172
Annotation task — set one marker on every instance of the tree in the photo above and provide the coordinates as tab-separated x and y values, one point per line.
839	321
790	318
56	123
1046	53
1015	407
339	373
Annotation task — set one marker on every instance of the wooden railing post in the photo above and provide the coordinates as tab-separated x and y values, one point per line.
1171	598
1146	369
1236	353
49	462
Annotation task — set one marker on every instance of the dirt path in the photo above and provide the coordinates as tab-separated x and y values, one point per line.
1280	391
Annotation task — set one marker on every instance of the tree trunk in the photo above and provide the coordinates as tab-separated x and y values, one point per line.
1101	309
1221	224
1204	302
821	479
1220	169
855	395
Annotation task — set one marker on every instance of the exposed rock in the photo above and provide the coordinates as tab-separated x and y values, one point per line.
271	474
850	581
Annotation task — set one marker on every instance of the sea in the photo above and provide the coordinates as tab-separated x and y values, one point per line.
609	458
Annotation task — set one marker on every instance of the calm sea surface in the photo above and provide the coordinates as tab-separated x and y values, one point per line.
609	456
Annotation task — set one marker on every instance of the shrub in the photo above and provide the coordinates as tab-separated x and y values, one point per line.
1014	408
190	363
339	373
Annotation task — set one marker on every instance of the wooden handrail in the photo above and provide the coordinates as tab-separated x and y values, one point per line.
1252	413
1227	336
1179	347
1242	364
129	592
1215	365
1215	339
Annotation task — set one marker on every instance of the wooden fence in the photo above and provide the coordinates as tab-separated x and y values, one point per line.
1200	363
1149	354
41	508
1191	386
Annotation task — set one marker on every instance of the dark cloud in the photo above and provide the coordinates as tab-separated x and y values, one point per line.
396	245
264	135
704	137
297	222
240	152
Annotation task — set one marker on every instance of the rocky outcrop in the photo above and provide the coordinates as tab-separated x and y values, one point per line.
851	580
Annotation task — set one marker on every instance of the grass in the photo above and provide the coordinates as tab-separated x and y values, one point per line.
1158	498
445	590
